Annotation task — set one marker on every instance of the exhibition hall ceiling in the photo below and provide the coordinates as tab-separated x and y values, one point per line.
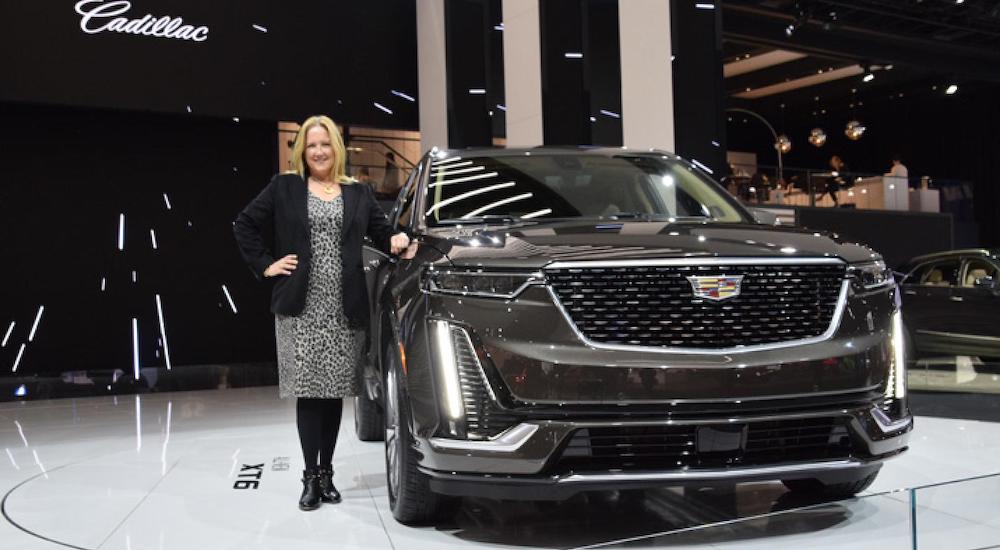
813	53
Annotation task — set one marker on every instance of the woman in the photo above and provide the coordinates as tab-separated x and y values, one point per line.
319	297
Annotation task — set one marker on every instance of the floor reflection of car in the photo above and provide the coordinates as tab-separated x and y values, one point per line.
572	320
951	302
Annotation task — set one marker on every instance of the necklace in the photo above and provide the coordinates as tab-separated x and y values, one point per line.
327	186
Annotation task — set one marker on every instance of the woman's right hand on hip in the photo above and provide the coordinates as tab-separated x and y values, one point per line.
284	266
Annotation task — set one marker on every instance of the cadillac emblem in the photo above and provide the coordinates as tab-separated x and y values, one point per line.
716	287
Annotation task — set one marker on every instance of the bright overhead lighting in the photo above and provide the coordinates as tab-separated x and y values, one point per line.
868	77
573	55
951	89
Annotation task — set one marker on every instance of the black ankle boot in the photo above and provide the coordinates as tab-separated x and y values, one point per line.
311	492
328	493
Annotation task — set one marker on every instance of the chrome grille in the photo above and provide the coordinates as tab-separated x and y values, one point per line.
484	418
654	305
676	447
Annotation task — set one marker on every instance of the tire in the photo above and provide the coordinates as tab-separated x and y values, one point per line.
839	490
368	422
410	497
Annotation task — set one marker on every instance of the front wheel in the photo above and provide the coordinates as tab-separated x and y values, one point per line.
410	497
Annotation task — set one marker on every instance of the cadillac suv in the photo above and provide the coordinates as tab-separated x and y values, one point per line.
571	320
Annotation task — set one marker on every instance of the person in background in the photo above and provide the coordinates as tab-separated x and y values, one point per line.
835	182
319	218
390	181
898	169
364	176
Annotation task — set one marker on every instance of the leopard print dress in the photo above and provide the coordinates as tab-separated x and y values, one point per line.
317	351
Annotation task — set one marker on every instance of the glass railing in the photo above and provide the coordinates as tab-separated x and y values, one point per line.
951	515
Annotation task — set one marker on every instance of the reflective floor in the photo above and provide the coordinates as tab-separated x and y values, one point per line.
220	469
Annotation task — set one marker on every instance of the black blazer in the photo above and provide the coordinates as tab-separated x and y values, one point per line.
283	204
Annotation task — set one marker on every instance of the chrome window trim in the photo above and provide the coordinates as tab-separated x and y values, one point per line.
830	331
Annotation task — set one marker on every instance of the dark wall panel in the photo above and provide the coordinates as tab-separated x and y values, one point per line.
266	60
68	176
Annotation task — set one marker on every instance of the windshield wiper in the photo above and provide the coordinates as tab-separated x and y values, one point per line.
649	216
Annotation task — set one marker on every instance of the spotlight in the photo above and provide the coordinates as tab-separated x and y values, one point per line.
869	75
817	137
951	89
783	144
790	30
854	130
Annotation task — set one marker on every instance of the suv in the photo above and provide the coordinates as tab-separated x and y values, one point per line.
952	299
570	320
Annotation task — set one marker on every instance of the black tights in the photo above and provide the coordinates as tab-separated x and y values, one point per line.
319	423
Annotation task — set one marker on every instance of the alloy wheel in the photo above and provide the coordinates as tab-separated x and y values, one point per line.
392	440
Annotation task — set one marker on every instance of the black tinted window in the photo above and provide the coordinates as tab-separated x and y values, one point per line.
943	273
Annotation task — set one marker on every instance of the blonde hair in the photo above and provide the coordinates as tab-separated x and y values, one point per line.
339	170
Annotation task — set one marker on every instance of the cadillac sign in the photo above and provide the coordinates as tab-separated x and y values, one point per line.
716	287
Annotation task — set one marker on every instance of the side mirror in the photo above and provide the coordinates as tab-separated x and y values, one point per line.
765	217
988	283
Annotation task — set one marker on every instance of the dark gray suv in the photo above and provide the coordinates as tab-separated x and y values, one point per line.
571	320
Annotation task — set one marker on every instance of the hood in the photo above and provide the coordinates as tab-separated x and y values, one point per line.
534	246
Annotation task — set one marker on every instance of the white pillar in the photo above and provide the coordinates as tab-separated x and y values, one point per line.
432	74
647	75
522	55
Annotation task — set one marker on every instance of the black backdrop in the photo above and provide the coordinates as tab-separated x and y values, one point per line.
67	176
262	59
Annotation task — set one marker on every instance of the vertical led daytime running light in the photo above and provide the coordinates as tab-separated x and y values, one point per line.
448	369
898	355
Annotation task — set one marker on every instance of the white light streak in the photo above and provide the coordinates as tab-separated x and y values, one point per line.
189	108
537	213
382	107
166	200
152	237
6	337
462	171
611	114
502	202
402	95
20	430
464	179
498	27
163	330
21	391
259	28
233	469
477	91
138	423
121	231
502	107
135	348
468	194
230	298
134	276
593	119
34	326
39	462
705	6
951	89
573	55
236	119
166	440
448	168
702	166
12	461
104	283
445	161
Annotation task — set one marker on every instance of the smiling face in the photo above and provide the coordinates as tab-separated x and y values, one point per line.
318	152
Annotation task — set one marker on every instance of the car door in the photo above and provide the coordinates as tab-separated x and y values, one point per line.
930	309
978	321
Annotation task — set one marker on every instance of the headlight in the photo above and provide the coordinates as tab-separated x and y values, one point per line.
489	284
870	275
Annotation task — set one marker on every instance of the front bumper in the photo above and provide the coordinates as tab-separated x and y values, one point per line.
521	462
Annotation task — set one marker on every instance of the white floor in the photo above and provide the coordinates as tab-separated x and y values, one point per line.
158	472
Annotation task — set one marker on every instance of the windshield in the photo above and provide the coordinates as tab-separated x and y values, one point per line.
539	185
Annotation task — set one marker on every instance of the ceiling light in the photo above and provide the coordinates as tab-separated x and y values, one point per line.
783	144
854	130
817	137
868	77
951	89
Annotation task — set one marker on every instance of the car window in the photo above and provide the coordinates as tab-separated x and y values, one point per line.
567	185
943	273
976	269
